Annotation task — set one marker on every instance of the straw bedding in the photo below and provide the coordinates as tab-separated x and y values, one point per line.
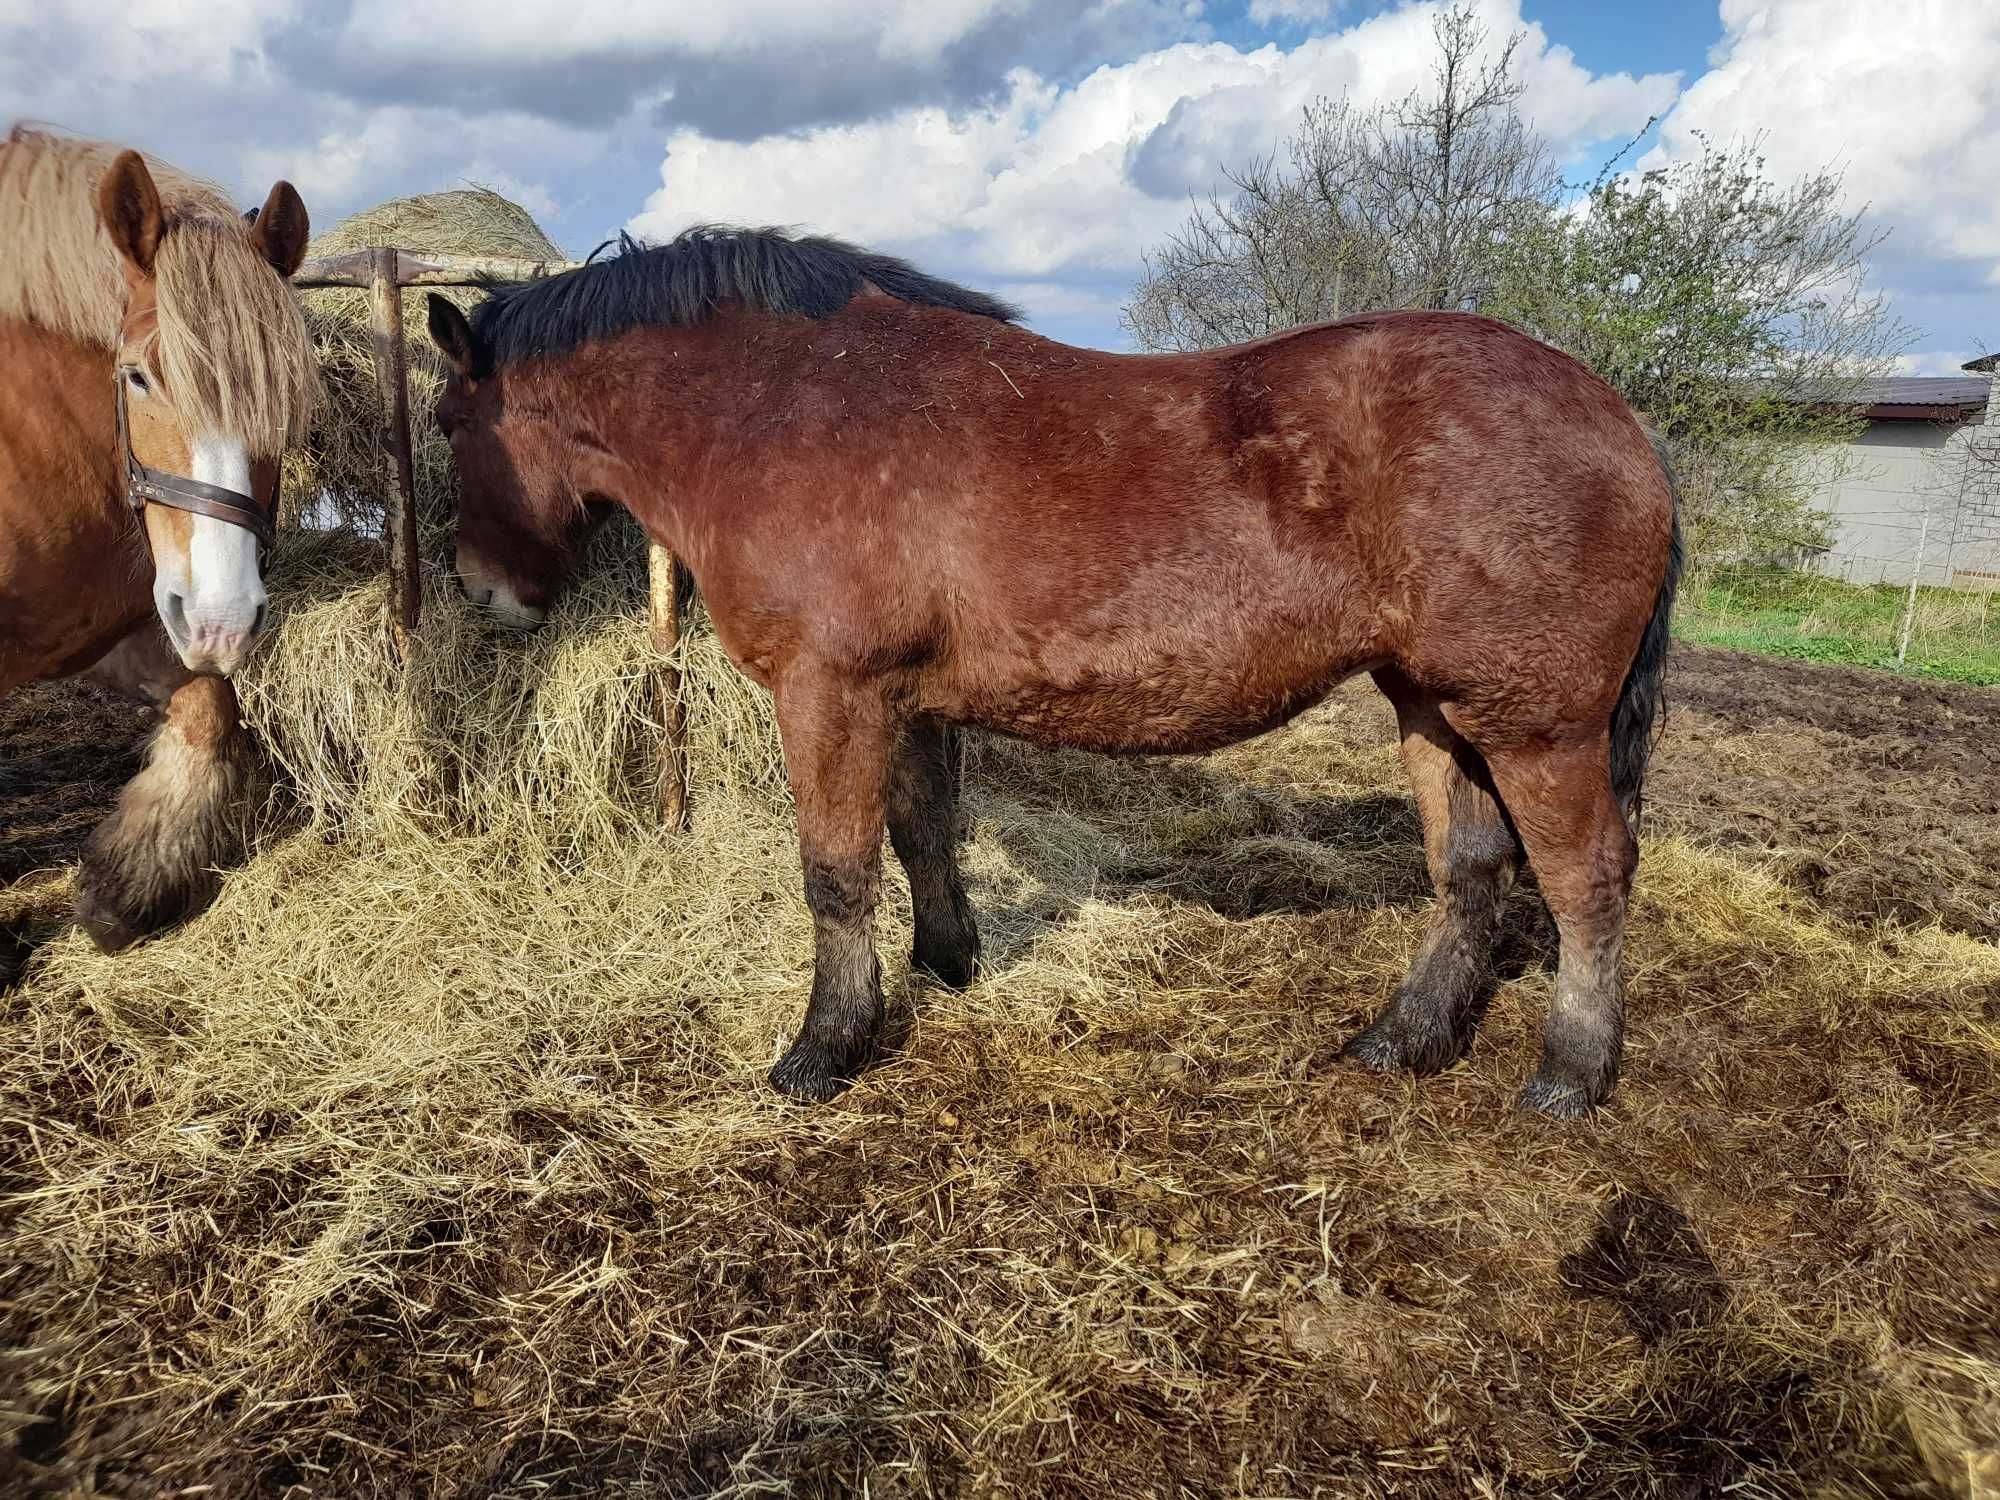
436	1159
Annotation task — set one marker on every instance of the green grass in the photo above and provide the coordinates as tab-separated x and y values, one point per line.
1955	634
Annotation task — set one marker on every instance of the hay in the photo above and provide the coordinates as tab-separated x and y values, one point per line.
553	736
341	459
437	1157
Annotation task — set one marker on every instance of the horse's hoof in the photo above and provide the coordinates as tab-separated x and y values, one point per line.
1388	1044
111	928
954	968
807	1074
1559	1098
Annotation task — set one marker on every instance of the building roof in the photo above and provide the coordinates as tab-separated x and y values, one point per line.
1985	364
1923	398
1925	390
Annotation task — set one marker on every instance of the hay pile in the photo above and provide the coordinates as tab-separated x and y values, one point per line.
436	1159
549	736
341	458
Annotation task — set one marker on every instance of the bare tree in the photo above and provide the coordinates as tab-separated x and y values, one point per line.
1454	167
1400	206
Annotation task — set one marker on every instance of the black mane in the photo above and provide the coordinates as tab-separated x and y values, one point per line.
688	278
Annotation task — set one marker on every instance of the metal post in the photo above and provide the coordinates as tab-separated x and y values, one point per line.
1910	604
385	322
664	629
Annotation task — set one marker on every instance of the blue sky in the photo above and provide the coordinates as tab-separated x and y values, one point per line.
1031	146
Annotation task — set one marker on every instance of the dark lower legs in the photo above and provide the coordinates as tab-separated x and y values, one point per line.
853	770
923	830
1473	856
1553	802
1584	857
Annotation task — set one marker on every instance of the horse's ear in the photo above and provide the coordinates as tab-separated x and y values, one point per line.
280	229
129	206
452	333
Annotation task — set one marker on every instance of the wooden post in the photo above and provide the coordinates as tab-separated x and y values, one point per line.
664	628
385	323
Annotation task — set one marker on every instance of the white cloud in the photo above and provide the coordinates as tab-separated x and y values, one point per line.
1051	179
209	44
514	154
1904	97
512	29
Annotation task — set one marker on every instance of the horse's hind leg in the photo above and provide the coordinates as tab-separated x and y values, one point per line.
923	830
1584	857
1473	856
839	741
155	860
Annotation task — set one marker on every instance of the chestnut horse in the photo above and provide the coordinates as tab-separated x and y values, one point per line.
907	513
131	288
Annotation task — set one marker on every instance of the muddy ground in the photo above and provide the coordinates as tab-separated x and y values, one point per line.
1120	1224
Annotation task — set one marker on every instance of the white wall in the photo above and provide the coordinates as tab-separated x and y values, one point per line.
1899	473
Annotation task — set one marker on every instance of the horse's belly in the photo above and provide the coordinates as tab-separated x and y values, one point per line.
1171	709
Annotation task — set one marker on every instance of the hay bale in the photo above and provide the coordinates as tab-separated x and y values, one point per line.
341	459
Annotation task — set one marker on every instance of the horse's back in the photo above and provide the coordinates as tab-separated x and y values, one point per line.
1220	537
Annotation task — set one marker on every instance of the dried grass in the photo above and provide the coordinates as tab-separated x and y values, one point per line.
436	1159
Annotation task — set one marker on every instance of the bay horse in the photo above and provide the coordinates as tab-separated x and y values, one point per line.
906	514
154	365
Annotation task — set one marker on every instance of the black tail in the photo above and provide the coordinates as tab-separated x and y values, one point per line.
1641	701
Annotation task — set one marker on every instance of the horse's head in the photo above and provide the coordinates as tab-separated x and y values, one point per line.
215	375
524	509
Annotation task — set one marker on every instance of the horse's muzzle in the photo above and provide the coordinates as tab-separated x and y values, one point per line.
208	639
497	598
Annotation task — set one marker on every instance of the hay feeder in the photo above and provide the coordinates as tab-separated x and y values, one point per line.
385	272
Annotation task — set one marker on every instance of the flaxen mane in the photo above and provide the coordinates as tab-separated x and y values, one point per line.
688	278
231	345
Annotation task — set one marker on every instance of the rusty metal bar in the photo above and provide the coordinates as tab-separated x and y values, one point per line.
663	627
356	268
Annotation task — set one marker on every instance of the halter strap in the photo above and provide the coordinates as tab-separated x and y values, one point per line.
145	486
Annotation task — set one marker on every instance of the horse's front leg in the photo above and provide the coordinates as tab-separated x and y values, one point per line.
155	860
838	737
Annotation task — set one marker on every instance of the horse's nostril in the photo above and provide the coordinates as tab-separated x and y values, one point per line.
175	616
258	624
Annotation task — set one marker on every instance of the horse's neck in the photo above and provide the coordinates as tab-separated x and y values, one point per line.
655	407
57	419
67	568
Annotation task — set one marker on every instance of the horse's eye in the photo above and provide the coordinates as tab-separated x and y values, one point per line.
137	378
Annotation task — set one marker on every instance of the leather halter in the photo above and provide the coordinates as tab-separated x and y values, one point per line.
145	486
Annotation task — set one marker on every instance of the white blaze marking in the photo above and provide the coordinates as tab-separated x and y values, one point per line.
225	589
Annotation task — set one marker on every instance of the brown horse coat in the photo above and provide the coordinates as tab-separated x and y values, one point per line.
905	517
